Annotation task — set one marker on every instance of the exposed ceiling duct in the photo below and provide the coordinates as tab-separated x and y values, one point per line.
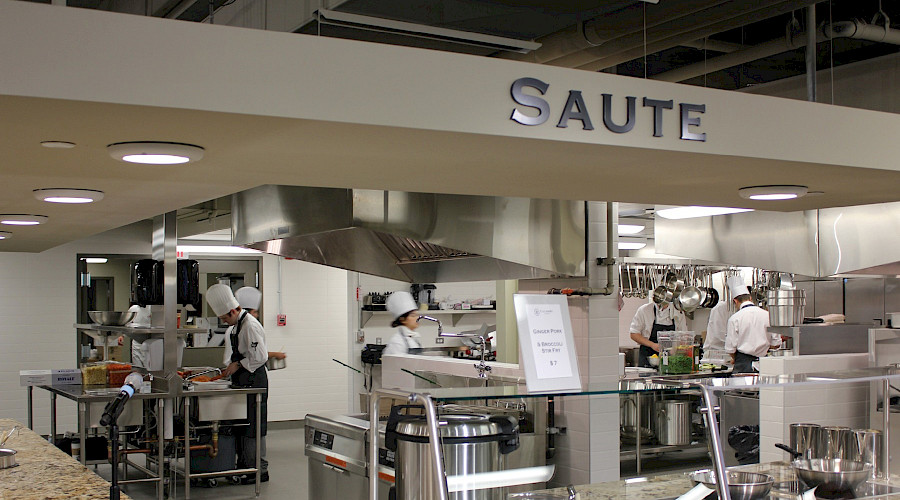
859	30
816	243
414	237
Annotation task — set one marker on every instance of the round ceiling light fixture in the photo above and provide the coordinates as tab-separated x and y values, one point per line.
155	153
772	193
65	195
628	229
22	219
58	144
5	235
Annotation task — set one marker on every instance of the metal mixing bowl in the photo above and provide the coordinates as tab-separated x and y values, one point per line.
112	318
741	485
832	476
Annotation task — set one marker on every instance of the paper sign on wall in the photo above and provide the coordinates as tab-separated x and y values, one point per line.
547	343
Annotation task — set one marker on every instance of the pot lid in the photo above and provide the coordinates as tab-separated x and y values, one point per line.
451	426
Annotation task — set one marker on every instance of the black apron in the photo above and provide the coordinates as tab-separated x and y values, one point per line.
645	351
743	363
245	378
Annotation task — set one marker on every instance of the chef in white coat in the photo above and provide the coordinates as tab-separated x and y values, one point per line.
648	321
746	334
715	328
250	298
404	311
245	357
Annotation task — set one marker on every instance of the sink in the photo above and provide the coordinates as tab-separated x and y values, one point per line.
224	407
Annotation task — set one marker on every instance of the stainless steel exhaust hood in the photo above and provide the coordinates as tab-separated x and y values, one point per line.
861	239
414	237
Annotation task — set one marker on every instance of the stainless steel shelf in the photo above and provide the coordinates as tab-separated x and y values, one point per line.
628	451
136	333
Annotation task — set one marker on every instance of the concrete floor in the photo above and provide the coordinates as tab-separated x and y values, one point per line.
287	471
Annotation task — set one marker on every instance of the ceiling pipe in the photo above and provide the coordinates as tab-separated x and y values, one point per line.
713	45
845	29
673	38
590	33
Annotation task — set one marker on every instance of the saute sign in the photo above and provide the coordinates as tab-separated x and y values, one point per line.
575	109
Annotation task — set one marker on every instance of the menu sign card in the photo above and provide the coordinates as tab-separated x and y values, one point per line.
546	342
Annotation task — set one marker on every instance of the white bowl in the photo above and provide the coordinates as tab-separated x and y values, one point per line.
653	361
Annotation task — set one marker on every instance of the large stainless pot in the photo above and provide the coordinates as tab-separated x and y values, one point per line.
471	444
632	423
673	422
786	307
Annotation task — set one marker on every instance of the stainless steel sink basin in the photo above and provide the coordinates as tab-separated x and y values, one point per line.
224	407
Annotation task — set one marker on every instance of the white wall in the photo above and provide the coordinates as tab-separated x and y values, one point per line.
38	301
315	300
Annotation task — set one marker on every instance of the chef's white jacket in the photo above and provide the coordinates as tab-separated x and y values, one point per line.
402	341
746	331
644	319
715	329
251	343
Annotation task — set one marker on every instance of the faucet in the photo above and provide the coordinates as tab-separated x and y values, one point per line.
482	367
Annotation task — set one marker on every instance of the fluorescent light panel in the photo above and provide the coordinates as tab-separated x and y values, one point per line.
626	229
694	211
631	245
96	260
215	249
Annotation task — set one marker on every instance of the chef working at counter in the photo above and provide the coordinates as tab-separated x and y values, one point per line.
715	328
249	299
245	356
403	309
649	320
746	334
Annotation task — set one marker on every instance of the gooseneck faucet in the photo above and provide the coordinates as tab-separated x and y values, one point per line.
482	367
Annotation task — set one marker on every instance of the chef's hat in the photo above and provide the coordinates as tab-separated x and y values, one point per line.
400	303
221	299
248	297
736	286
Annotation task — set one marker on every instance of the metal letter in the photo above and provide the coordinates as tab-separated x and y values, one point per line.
687	121
579	113
607	115
658	107
530	101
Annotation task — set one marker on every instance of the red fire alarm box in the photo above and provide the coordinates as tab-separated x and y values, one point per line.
282	319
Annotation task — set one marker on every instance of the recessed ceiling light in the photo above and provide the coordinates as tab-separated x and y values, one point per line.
693	211
58	144
770	193
96	260
630	228
4	235
22	219
631	245
64	195
155	153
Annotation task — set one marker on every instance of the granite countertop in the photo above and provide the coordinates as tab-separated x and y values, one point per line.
668	486
45	472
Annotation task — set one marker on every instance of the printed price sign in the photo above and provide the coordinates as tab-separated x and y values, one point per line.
548	348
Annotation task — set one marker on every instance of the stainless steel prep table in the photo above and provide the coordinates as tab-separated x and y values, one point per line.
85	396
213	393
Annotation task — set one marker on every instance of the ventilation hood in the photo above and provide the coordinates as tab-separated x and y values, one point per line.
414	237
861	239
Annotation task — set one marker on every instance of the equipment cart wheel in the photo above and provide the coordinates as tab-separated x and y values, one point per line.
235	479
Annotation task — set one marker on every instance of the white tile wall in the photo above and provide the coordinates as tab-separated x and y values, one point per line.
845	404
315	299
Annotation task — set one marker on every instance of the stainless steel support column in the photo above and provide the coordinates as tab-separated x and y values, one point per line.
374	398
259	441
716	442
886	439
30	407
637	440
811	53
53	419
164	248
82	433
161	471
187	448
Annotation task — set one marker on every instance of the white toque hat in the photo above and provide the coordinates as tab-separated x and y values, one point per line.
736	286
248	297
400	303
221	299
